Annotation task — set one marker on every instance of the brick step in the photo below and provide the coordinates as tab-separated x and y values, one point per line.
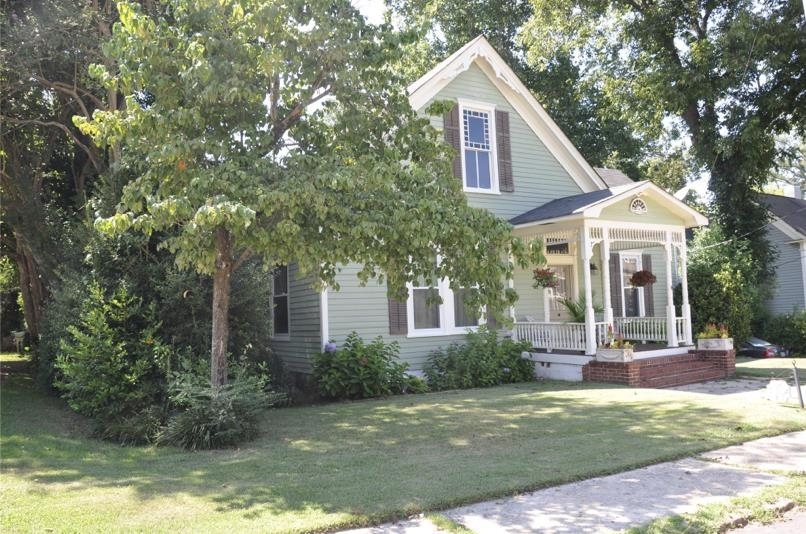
680	379
656	371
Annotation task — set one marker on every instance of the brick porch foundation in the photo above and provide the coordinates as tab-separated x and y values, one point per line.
664	371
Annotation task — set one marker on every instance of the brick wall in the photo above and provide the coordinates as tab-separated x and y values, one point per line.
664	371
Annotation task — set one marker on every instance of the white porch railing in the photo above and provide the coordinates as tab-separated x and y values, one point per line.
641	328
680	328
648	328
560	336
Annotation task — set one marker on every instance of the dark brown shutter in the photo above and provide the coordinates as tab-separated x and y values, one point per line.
504	146
398	318
453	136
615	284
649	297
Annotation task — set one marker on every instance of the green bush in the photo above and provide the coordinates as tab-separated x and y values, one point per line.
357	370
483	361
788	330
722	287
208	417
112	366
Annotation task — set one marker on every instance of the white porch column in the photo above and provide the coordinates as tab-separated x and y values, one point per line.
607	297
686	308
590	317
671	326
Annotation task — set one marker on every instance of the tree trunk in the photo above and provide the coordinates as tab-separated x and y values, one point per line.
221	296
32	289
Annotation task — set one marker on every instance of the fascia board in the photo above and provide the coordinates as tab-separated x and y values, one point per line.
787	230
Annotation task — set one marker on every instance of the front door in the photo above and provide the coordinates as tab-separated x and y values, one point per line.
632	297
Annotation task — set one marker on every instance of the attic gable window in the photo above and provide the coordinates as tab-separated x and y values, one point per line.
480	135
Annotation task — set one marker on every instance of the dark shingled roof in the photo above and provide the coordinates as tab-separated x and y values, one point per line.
613	177
561	207
790	210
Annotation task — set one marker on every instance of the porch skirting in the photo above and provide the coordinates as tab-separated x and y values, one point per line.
664	371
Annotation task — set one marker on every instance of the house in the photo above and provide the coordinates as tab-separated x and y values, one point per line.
598	227
787	234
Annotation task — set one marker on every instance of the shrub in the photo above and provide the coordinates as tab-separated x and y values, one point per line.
112	365
722	285
788	330
208	417
483	361
357	370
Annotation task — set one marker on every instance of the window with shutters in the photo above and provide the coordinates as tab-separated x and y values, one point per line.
427	316
480	134
280	308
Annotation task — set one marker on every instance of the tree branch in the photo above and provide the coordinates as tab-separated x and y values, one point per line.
90	153
70	91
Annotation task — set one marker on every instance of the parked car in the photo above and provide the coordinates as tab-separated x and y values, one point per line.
758	348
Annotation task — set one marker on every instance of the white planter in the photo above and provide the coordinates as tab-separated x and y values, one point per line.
614	355
715	343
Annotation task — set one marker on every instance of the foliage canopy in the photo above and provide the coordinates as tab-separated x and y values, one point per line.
280	129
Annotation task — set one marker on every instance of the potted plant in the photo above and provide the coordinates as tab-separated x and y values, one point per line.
544	277
642	278
615	349
714	337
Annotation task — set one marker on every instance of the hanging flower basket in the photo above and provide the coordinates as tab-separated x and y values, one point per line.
642	278
544	277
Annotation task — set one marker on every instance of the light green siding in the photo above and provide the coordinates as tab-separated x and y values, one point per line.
537	174
305	338
365	310
788	295
656	213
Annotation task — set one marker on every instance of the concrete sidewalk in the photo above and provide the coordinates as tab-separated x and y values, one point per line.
632	498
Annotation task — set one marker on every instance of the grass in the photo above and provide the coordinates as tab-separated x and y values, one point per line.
771	368
332	466
758	508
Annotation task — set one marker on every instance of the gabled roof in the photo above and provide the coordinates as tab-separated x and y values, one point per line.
791	211
479	52
590	205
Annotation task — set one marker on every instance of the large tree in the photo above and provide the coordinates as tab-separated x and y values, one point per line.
279	129
578	108
47	166
728	74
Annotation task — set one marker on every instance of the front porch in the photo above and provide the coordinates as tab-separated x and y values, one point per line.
552	336
653	366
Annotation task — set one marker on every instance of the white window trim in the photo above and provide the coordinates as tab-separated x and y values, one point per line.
447	315
474	105
285	336
638	266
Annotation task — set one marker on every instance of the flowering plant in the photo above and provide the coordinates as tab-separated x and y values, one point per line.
615	340
544	277
713	330
642	278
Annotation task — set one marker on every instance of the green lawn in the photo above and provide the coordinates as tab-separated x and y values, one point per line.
771	368
330	466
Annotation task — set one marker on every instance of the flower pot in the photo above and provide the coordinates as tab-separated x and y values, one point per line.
614	355
715	343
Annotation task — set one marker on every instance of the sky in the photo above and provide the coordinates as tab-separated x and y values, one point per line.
372	9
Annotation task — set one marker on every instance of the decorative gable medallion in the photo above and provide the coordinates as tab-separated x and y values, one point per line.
638	206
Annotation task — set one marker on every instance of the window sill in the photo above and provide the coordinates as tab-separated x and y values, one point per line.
281	337
459	331
481	191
